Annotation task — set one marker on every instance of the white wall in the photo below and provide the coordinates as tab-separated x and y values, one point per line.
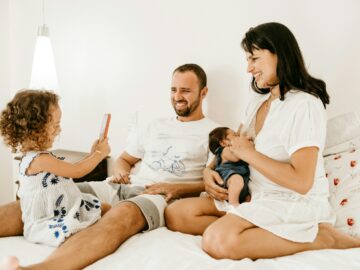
6	178
328	34
117	55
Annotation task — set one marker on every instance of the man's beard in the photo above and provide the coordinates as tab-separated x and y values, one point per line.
188	110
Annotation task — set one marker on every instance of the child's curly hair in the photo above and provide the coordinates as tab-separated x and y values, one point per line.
24	121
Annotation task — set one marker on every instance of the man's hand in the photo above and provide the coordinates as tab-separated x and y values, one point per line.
169	190
122	168
121	178
211	178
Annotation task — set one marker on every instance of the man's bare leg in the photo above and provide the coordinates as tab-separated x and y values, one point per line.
10	219
101	239
191	215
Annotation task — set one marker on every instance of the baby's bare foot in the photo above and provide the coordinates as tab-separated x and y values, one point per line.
234	203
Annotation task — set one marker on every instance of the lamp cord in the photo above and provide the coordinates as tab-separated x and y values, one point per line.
43	11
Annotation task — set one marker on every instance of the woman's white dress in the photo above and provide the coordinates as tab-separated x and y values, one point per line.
298	121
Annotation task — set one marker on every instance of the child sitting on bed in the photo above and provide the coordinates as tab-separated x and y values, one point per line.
52	206
234	172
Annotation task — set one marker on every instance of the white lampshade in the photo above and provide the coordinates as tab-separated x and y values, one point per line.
43	74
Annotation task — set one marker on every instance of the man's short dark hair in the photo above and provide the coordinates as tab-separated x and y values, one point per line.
199	72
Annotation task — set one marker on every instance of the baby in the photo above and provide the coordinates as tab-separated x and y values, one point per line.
234	172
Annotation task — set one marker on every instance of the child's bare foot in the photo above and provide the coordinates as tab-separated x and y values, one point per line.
9	263
333	238
104	208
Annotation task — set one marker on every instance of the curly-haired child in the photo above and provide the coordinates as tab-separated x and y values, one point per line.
52	206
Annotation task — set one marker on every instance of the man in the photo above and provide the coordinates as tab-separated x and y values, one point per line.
173	152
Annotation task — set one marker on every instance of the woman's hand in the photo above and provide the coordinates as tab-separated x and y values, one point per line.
241	145
211	178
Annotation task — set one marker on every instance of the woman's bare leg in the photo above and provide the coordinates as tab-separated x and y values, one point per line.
10	263
192	215
10	219
233	237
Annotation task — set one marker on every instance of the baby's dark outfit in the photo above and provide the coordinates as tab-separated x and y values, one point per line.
229	168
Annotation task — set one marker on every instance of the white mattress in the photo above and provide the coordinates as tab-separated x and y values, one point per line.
162	249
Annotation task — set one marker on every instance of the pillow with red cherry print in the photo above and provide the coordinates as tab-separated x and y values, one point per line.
343	173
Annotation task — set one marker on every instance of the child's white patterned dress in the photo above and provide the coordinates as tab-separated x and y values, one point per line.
52	206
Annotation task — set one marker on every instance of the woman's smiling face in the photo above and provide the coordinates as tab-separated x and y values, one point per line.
262	65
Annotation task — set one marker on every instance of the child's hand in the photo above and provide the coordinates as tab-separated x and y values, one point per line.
102	147
93	147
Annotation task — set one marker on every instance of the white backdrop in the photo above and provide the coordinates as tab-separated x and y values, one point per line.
6	178
118	55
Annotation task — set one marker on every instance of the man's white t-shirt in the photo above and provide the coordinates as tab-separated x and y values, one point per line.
171	150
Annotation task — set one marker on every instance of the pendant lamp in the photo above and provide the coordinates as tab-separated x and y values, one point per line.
43	73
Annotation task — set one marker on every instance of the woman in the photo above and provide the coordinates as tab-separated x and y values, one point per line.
286	126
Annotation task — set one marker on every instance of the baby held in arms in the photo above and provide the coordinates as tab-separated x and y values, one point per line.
234	172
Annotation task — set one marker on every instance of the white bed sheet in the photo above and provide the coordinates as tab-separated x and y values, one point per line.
162	249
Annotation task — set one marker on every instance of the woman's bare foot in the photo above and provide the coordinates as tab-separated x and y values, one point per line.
9	263
333	238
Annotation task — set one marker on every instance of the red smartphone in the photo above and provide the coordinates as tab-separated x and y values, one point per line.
105	126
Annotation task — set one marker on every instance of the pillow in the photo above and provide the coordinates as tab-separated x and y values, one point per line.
342	147
343	173
343	131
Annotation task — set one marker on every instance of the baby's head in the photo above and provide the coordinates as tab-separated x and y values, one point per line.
220	136
31	120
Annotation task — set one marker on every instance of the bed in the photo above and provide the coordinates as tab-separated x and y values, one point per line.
163	249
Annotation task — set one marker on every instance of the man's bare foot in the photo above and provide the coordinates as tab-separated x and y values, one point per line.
333	238
9	263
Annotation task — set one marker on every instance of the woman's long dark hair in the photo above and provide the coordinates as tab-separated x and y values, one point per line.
291	71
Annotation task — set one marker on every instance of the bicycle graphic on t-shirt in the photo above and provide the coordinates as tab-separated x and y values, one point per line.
171	164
